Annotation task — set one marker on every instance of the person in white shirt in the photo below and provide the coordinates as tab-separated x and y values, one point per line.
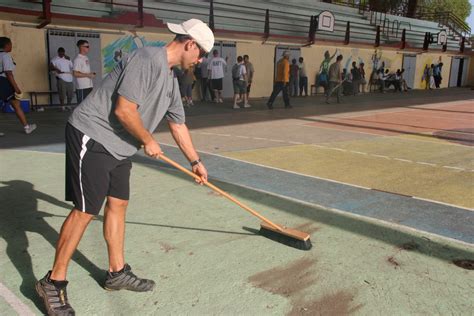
216	67
82	71
9	90
62	67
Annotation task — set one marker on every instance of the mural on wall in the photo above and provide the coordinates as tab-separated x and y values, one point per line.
117	50
431	77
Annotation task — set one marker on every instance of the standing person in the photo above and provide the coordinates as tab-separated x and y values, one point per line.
82	71
335	80
216	68
363	81
437	74
323	75
303	77
431	76
187	83
356	78
281	81
63	68
294	78
102	133
205	82
9	90
250	71
239	80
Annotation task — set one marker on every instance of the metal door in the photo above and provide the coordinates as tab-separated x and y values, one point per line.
454	73
68	39
409	64
465	70
228	51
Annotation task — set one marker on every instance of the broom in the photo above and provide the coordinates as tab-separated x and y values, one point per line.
287	236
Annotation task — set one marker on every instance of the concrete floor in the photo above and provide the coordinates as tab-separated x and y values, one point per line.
347	174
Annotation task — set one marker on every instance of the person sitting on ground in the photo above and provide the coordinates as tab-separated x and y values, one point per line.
9	90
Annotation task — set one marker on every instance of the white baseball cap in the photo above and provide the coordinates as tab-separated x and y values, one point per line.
197	29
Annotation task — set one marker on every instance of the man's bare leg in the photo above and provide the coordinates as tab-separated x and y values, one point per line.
114	231
71	233
18	111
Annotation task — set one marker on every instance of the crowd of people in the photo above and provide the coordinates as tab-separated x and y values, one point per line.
208	76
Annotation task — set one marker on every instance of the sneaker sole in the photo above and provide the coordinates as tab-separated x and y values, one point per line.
124	288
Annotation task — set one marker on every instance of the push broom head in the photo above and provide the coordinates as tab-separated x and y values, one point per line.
287	236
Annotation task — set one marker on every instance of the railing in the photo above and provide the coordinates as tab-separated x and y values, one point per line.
450	20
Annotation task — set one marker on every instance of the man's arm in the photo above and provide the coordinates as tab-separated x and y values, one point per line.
182	138
130	119
79	74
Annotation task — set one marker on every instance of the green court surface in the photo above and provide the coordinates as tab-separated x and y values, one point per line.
207	259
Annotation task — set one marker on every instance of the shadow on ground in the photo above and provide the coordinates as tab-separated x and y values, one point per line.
20	215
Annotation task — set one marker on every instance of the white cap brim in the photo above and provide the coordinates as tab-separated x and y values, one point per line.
176	28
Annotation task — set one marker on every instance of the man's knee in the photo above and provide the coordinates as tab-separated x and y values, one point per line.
115	203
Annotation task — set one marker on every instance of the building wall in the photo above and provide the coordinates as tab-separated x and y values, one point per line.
30	48
470	78
30	55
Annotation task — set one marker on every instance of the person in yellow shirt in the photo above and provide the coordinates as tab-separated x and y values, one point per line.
281	81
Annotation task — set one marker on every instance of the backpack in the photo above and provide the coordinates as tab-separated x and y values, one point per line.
236	72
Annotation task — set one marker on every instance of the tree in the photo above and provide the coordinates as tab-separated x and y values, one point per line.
460	8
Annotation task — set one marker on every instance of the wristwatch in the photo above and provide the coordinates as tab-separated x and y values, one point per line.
195	162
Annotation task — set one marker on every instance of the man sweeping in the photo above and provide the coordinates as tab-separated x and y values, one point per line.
103	132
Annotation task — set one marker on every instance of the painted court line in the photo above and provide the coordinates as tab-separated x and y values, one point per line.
14	301
338	149
369	219
325	179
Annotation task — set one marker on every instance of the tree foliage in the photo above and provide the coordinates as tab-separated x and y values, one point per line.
461	8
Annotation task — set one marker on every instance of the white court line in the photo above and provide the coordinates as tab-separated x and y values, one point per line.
344	150
427	163
14	301
380	156
455	168
403	160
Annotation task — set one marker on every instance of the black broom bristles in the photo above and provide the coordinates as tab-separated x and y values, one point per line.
286	240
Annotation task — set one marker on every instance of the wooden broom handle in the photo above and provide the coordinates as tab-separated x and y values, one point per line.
225	194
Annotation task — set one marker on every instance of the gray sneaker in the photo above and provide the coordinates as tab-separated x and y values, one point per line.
30	128
126	280
54	296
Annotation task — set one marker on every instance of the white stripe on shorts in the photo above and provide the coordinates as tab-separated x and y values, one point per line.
85	139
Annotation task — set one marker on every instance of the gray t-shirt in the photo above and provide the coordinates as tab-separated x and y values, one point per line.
143	78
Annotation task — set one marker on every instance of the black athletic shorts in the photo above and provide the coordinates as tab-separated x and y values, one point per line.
216	84
92	173
7	92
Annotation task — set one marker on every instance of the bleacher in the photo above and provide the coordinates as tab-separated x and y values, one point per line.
288	20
